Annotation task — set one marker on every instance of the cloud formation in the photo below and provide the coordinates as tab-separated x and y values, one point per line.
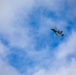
65	59
6	69
27	46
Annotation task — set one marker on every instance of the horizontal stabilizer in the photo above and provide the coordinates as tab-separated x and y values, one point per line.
61	32
62	35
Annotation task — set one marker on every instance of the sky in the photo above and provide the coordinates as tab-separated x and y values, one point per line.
28	46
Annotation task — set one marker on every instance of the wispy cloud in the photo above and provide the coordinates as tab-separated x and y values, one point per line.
62	70
65	59
6	69
27	45
68	47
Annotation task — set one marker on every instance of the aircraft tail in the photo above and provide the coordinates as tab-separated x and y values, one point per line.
62	35
61	31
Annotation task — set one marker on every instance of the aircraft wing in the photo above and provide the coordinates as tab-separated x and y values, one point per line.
56	33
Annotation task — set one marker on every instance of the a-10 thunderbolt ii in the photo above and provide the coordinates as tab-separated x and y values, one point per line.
57	32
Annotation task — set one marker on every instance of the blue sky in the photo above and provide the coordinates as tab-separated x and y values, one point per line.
28	46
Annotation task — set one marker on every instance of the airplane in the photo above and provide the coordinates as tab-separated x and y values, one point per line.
57	32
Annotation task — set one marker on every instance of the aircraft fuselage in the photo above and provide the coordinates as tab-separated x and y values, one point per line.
57	32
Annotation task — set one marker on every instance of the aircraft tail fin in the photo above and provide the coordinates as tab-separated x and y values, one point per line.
61	31
62	35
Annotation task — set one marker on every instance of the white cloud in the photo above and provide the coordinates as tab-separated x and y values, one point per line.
8	14
71	10
3	50
19	36
10	9
16	35
61	65
40	72
54	5
67	47
69	69
6	69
